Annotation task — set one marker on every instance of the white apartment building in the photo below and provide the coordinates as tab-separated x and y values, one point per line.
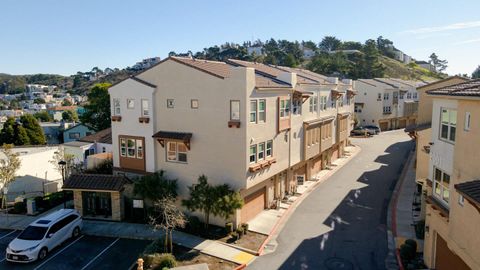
261	129
386	103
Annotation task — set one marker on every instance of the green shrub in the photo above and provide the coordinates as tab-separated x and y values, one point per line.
156	246
19	208
407	253
245	227
234	236
240	232
229	227
194	224
412	243
158	261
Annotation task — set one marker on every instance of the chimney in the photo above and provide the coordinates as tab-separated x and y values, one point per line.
333	80
347	81
288	77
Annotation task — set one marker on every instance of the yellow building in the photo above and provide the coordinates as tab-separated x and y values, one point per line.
451	173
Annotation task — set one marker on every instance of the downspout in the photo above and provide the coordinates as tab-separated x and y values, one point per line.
290	137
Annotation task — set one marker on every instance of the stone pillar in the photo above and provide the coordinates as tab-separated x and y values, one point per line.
116	206
78	201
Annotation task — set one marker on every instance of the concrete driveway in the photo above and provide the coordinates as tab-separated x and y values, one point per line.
84	252
342	224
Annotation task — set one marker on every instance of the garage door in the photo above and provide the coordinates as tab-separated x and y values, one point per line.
335	153
383	126
402	123
254	204
445	259
411	122
316	165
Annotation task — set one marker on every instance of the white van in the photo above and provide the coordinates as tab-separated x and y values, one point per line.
43	235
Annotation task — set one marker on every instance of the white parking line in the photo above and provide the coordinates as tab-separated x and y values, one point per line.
7	234
100	254
42	264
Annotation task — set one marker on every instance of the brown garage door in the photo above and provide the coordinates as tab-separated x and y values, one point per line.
316	165
402	123
254	204
445	259
383	126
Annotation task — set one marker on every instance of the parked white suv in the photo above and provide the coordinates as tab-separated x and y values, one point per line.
43	235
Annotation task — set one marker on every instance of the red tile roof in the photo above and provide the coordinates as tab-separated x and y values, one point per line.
96	182
103	136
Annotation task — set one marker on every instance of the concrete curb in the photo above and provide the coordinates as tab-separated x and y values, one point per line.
295	204
394	253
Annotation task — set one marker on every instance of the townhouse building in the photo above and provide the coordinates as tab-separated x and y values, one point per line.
386	103
261	129
452	186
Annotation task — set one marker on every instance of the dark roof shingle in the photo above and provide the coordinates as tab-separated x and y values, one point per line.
103	136
470	189
96	182
468	88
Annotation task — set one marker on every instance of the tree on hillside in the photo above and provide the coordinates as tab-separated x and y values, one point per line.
16	133
43	116
39	101
69	116
370	64
329	43
33	129
8	167
66	102
212	200
351	45
476	73
20	136
438	64
385	46
97	111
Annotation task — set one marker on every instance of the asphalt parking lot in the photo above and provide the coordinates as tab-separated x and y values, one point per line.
84	252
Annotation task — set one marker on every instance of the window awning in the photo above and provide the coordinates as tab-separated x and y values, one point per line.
351	93
318	121
184	137
303	95
471	191
336	94
343	115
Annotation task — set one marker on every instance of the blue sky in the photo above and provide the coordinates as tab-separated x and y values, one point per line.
65	36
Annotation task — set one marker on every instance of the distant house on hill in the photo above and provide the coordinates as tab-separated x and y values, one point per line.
425	65
76	132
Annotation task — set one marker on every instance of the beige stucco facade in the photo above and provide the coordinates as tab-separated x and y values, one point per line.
219	149
456	220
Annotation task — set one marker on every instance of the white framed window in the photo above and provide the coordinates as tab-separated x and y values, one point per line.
253	153
131	148
170	103
116	106
379	96
409	95
415	95
253	111
313	103
386	96
145	108
139	147
461	200
467	121
235	110
297	106
441	181
262	107
402	95
323	103
448	124
130	103
194	103
261	151
176	152
284	108
269	151
123	147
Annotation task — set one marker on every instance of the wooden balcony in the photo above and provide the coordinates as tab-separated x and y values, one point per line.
438	206
262	164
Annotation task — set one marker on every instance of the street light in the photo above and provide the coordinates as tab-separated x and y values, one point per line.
62	164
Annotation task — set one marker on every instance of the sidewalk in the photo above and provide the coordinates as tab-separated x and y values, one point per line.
143	231
20	222
405	213
266	221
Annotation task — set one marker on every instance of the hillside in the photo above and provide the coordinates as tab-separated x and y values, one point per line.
396	69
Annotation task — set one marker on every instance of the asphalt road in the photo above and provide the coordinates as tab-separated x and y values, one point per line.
342	223
84	252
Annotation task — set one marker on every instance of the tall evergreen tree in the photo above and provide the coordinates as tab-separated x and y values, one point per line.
97	111
476	73
33	129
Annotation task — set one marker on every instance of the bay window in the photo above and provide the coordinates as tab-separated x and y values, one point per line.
261	151
269	148
262	110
